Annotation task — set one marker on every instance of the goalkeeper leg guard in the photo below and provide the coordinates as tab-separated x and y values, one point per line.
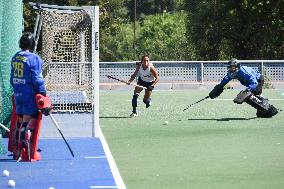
258	103
134	102
24	134
264	108
255	101
272	111
16	135
15	140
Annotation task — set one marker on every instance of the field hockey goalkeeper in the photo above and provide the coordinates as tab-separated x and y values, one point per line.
254	81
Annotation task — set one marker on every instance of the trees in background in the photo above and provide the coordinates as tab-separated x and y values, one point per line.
163	36
185	29
243	29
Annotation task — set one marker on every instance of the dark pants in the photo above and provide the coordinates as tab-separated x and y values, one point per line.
258	89
144	83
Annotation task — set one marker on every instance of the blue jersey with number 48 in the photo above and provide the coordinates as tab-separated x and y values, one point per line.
26	74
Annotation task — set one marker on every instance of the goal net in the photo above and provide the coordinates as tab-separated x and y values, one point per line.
69	38
11	19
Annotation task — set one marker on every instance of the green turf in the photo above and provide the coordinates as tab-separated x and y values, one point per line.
215	144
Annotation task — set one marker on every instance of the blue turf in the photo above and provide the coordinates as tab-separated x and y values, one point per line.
58	168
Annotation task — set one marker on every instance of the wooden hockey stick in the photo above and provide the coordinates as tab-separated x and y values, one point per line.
111	77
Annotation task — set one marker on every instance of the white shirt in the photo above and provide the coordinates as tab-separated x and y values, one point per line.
146	75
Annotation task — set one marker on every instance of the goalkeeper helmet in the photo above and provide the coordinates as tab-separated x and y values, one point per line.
233	65
27	41
233	62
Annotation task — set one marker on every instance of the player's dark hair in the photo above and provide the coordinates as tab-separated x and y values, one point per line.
144	57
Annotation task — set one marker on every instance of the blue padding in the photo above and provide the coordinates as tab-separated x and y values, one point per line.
57	167
68	97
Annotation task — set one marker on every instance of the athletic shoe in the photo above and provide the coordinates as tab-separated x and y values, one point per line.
148	104
133	114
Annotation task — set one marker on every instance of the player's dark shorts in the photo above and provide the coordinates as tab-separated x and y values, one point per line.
25	104
144	83
258	89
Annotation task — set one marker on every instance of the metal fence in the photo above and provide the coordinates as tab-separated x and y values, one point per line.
192	71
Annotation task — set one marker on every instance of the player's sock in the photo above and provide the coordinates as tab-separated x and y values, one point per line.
147	102
134	102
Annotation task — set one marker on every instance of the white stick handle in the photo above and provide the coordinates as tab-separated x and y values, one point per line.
136	85
56	124
54	121
4	127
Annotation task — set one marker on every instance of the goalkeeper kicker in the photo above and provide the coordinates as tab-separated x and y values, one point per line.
254	81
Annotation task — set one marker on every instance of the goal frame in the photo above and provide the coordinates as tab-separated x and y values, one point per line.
94	57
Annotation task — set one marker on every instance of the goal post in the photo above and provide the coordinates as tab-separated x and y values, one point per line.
69	37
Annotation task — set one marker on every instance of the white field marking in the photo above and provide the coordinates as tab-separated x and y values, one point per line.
117	177
95	157
103	186
131	100
274	99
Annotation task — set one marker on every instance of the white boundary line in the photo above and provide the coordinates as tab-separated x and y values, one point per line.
103	186
95	157
117	177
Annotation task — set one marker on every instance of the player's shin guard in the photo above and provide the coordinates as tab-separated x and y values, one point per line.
134	102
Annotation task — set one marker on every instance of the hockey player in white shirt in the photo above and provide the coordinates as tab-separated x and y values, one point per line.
147	77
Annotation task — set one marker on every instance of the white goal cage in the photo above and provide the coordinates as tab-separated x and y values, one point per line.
70	51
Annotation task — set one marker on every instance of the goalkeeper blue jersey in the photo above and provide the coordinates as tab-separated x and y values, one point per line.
26	74
246	75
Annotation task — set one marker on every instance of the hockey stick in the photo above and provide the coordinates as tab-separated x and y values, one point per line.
57	126
196	102
111	77
4	127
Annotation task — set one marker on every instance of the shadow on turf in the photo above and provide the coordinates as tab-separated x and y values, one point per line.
227	119
7	160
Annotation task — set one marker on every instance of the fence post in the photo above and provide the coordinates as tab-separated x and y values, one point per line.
261	67
201	70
